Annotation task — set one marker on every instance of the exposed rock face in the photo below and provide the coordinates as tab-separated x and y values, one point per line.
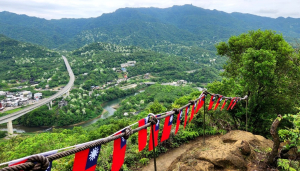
233	151
245	148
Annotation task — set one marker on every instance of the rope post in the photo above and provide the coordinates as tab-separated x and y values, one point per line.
246	113
153	148
153	142
204	123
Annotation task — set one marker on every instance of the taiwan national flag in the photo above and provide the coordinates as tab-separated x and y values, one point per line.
167	128
156	131
218	102
224	104
119	152
231	103
86	160
23	160
212	100
178	121
237	100
186	115
143	133
193	111
201	102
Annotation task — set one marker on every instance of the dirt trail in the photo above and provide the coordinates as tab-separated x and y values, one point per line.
163	161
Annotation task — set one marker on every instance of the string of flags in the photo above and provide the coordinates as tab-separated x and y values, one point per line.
86	160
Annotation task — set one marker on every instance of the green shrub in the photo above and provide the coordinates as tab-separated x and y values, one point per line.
144	161
2	134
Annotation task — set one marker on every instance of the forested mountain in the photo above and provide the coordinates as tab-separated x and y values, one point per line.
97	63
24	61
153	28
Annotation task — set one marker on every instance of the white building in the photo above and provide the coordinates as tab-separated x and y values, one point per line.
27	94
2	93
181	82
37	96
129	63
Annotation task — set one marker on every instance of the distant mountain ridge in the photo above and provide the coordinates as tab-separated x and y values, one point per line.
185	25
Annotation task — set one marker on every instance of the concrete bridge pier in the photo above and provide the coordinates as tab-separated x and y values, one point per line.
10	130
49	105
67	94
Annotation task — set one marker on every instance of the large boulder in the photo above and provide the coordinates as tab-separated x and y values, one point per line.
232	151
254	140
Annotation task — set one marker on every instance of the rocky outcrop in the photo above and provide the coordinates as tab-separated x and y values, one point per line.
232	151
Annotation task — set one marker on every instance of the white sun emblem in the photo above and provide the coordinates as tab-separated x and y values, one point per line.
93	154
171	118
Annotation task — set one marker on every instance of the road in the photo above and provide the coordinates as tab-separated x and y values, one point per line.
128	86
13	116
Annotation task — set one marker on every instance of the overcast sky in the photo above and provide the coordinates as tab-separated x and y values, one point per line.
56	9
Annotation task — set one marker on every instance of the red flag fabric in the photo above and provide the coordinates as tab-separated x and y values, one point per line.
156	131
193	111
200	102
212	100
142	134
18	162
231	103
224	104
86	160
218	101
234	103
186	115
119	153
178	121
167	128
23	160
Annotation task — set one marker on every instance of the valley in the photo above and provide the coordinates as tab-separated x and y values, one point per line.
89	78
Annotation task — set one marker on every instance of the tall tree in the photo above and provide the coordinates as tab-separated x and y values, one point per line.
266	68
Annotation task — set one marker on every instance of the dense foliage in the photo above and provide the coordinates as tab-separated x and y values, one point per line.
291	138
93	65
262	65
24	64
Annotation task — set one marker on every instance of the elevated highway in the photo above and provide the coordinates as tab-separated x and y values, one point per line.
9	118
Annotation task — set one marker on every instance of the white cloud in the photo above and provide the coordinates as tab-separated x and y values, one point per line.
56	9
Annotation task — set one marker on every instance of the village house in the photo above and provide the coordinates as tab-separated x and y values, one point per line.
23	101
62	103
2	93
37	96
181	82
147	76
26	94
128	64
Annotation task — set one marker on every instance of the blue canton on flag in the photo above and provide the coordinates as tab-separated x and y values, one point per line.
181	114
123	140
195	106
92	157
171	120
49	167
157	124
187	112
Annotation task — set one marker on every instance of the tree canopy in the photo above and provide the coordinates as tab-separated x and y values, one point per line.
262	65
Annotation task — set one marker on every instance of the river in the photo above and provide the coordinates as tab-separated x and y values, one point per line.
107	106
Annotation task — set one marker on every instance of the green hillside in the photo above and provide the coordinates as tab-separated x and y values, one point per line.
100	61
26	62
144	27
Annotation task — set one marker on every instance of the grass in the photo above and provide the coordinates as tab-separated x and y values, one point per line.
12	111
